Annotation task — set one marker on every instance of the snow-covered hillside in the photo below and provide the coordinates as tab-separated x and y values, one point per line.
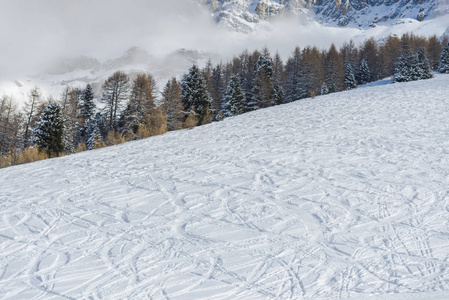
345	195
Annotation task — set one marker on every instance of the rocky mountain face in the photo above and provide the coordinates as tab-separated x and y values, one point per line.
370	12
242	15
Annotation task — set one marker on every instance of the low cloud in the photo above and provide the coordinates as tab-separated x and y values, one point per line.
34	33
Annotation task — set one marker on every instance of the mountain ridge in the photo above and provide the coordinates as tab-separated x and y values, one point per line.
242	15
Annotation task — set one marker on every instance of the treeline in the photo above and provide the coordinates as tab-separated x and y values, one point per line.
129	108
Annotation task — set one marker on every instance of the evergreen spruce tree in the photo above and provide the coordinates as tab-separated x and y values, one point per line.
412	66
350	77
403	71
369	51
234	98
195	94
246	68
364	73
424	69
407	67
324	88
277	94
87	111
350	54
49	131
94	137
88	104
444	60
251	103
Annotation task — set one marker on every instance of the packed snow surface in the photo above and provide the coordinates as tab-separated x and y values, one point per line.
345	195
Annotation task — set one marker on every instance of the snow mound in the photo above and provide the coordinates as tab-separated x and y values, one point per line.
341	196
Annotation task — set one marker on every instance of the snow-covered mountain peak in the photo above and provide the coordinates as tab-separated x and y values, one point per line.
242	15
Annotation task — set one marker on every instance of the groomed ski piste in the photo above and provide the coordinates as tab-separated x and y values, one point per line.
340	196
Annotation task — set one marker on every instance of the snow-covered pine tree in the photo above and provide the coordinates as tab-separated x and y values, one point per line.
88	104
94	137
407	67
350	54
423	66
369	51
350	81
234	98
277	94
364	73
324	88
403	70
95	140
86	113
444	60
195	94
251	104
48	135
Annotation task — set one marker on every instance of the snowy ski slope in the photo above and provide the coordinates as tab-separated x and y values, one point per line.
341	196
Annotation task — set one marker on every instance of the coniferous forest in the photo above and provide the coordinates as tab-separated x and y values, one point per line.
131	108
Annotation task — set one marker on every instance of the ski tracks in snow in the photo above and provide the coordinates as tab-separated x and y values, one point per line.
340	196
